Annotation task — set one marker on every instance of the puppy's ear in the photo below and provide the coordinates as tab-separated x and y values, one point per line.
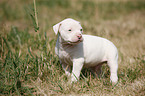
56	28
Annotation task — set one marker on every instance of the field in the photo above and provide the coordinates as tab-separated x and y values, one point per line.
29	66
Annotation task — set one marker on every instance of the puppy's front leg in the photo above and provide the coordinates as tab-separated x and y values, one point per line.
77	67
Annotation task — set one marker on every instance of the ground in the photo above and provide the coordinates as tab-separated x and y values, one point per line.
28	62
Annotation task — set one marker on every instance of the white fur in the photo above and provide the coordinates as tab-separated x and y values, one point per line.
89	51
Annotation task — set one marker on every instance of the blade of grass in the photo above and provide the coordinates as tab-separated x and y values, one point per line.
7	44
32	12
30	52
2	47
36	19
37	66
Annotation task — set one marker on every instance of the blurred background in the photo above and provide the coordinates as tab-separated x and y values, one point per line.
25	54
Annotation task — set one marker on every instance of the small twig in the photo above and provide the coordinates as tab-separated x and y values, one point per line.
35	13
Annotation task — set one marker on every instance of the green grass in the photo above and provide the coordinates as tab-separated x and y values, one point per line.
28	62
17	67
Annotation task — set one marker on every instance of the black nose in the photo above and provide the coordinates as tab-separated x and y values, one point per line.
79	36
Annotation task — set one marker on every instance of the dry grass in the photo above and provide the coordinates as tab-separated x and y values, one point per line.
27	57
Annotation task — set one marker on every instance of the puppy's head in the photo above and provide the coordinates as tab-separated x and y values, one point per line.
70	31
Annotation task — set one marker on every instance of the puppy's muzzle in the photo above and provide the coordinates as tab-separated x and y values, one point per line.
79	37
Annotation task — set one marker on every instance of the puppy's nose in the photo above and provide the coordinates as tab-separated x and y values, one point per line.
79	36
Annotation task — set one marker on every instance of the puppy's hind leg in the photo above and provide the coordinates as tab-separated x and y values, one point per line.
113	64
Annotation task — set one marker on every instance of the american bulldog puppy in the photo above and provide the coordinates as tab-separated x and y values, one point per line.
78	50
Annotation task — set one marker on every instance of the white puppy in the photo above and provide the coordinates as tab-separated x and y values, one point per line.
77	50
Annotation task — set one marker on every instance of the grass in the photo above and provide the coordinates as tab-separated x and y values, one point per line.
28	62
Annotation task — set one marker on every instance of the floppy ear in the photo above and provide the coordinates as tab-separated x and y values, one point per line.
56	28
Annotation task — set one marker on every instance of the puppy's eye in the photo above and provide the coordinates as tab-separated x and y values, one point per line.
69	30
81	29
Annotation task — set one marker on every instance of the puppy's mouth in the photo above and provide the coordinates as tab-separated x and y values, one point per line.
76	42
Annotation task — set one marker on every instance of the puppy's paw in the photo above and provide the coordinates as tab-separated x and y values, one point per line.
113	79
